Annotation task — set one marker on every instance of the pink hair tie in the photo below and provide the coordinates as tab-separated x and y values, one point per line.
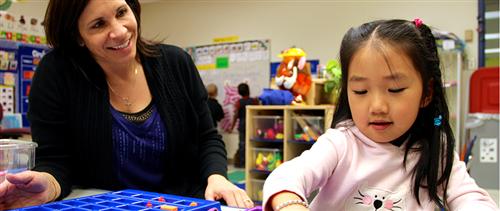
418	22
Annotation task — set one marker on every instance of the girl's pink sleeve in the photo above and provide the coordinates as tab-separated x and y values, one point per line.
309	171
464	193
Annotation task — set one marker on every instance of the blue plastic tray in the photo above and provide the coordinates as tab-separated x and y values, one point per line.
128	200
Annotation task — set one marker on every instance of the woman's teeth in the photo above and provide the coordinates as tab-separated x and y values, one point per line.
124	45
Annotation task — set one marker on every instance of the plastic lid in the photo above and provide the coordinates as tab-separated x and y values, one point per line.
16	144
484	91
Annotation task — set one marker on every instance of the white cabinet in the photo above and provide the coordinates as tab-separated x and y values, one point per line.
451	67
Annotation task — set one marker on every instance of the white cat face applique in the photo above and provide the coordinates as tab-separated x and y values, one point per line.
376	199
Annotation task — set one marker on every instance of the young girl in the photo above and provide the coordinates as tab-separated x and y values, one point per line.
392	146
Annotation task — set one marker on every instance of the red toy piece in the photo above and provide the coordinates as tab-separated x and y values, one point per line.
270	134
161	199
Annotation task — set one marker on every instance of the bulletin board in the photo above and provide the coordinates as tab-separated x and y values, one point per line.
229	64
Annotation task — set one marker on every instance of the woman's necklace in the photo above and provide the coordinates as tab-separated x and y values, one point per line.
126	100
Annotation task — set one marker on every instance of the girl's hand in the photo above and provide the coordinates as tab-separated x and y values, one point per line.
220	188
28	188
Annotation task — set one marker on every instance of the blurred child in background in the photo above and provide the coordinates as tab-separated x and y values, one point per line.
240	113
214	105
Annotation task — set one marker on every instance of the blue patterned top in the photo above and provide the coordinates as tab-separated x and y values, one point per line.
139	150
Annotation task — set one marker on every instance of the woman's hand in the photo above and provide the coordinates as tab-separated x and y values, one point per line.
219	187
28	188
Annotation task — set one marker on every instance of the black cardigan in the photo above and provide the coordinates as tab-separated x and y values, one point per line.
69	113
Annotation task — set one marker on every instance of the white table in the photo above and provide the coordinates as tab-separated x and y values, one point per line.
77	193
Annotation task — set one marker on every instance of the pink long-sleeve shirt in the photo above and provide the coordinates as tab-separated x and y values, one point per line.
354	173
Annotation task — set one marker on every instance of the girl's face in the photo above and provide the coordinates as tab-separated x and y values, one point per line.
384	92
109	30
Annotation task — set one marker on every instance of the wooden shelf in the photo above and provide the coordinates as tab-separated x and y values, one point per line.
281	118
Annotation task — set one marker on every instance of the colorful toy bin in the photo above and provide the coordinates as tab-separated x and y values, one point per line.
307	128
268	128
267	159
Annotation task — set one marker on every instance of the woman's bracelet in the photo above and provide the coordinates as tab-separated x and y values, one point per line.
291	202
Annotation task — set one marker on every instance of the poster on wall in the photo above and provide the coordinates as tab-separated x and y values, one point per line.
18	62
21	28
228	64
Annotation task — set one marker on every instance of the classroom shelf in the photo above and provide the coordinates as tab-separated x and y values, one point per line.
263	123
452	68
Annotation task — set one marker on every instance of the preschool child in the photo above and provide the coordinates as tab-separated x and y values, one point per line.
391	146
213	105
240	113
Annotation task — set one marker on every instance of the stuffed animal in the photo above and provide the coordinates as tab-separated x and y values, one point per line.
294	73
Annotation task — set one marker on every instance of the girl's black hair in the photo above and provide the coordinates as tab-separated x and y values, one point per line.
434	143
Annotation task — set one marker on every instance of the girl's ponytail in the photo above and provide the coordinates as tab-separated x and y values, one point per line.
441	143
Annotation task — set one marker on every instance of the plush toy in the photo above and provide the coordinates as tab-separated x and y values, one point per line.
294	73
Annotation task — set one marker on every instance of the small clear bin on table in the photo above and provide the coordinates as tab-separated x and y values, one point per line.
267	159
307	128
267	128
16	156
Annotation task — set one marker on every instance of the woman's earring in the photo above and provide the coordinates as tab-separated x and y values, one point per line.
81	43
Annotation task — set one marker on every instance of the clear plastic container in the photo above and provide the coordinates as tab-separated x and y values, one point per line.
16	156
267	159
257	187
307	128
268	128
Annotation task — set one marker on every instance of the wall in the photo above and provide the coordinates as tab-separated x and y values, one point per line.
315	26
32	8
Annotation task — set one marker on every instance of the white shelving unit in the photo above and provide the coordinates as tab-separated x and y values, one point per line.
451	67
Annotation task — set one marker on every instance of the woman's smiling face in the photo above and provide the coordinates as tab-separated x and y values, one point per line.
109	30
